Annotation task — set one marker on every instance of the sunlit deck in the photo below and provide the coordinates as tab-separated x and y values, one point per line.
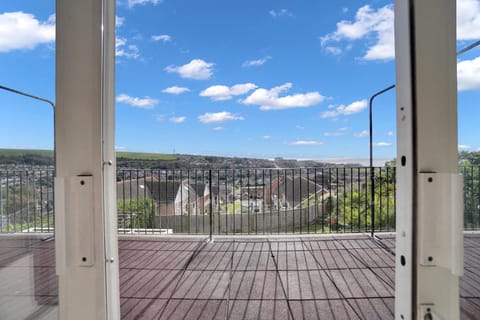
303	277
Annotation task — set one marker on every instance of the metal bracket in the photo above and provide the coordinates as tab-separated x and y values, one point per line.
74	201
441	221
427	312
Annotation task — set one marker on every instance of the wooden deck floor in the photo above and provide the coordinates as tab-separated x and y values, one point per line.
334	277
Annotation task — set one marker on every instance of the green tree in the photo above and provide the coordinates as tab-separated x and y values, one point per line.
354	208
136	213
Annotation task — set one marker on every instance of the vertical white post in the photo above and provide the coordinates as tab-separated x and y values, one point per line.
86	247
429	217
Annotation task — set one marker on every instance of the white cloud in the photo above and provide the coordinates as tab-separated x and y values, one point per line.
132	3
219	117
196	69
369	23
177	119
217	129
299	127
21	31
124	50
338	133
468	74
390	133
464	147
267	137
306	143
119	21
377	26
280	13
144	103
162	38
270	100
160	117
257	62
382	144
361	134
333	50
334	134
120	148
352	108
220	92
175	90
468	19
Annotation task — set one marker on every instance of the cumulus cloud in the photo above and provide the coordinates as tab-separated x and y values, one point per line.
338	133
305	143
267	137
217	129
336	51
119	21
219	117
175	90
144	103
122	49
468	19
468	74
345	110
257	62
162	38
21	31
361	134
220	92
280	13
382	144
270	99
133	3
177	119
464	147
196	69
375	25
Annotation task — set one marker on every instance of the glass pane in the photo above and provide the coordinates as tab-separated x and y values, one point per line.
28	283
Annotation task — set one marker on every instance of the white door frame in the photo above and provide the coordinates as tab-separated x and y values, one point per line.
429	222
85	201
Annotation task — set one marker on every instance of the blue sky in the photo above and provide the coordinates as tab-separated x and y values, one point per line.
238	78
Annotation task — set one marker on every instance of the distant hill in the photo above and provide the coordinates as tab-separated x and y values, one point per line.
26	157
31	157
139	160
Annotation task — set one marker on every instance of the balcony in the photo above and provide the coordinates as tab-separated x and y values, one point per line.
287	244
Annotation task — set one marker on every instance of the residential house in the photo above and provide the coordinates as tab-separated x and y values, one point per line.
293	192
161	192
189	198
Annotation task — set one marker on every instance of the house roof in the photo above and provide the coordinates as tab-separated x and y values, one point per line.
149	188
297	189
164	191
132	189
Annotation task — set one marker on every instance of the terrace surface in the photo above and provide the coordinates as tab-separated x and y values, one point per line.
307	277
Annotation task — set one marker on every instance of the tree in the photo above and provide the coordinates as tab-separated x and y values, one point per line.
136	213
353	208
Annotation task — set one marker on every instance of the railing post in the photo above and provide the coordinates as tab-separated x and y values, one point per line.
372	199
210	204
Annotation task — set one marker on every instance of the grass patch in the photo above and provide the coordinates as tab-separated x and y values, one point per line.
146	156
24	152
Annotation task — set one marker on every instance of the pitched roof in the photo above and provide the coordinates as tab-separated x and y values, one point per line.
297	189
149	188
